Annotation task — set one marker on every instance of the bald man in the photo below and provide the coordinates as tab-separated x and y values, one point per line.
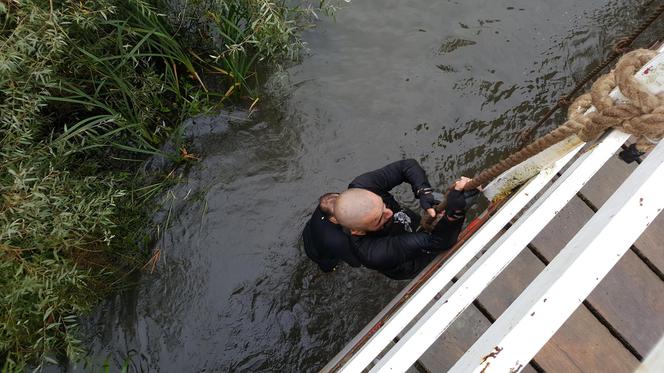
380	234
383	234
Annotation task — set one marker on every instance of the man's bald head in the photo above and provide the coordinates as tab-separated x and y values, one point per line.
361	210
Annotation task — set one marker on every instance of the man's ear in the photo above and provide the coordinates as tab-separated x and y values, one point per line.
357	233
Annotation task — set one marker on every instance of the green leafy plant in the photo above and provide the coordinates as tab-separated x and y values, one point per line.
87	90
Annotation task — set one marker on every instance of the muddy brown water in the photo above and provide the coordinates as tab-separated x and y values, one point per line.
450	83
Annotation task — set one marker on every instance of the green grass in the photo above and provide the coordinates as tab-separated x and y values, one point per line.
88	90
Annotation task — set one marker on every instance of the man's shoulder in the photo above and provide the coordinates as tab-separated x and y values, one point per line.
324	230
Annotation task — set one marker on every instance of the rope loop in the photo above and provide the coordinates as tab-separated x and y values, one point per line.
642	116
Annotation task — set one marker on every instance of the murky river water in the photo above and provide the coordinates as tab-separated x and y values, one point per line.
450	83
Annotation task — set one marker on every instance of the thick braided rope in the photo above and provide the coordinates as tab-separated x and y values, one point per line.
619	48
643	116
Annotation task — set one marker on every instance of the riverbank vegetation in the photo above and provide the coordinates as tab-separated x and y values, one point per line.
88	90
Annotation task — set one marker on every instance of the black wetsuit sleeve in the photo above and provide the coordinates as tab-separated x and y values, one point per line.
384	179
338	245
325	243
387	252
447	232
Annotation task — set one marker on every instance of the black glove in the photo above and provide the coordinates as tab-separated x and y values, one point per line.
427	200
442	229
470	196
446	232
456	205
630	154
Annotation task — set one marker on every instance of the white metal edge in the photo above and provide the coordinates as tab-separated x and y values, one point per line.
521	331
456	299
516	175
450	268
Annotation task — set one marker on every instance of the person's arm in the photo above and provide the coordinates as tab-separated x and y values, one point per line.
447	232
385	179
390	251
338	243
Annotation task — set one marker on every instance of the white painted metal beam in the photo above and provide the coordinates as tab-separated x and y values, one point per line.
525	170
511	342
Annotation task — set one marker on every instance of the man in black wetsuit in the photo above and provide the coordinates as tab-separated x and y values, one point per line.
379	233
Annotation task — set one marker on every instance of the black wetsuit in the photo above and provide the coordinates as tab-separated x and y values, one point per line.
326	243
396	250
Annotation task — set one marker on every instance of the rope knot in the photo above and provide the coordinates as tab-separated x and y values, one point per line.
642	116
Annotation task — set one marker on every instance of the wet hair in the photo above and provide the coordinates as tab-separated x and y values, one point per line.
326	203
